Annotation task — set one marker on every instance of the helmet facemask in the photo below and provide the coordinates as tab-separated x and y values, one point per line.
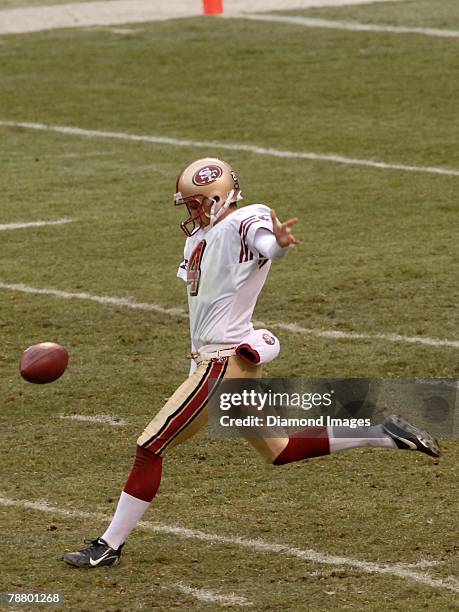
196	206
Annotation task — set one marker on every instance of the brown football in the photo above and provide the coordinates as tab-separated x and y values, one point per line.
43	363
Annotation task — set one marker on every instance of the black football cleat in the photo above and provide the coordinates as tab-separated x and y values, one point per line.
409	437
99	554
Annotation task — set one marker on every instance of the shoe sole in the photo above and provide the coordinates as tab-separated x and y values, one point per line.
88	565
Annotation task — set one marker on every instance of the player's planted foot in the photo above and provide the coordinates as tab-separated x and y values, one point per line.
409	437
97	555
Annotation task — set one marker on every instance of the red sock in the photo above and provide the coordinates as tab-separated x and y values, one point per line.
304	444
145	476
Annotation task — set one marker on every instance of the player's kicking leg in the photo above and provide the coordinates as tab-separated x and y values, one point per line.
395	433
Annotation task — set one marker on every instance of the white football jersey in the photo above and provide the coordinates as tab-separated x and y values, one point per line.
225	275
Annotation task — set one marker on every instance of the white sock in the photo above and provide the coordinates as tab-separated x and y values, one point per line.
374	437
128	513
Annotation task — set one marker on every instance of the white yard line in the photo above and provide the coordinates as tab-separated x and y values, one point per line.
333	571
337	159
334	334
106	300
422	564
105	419
241	6
129	302
125	31
254	545
21	225
212	596
88	14
352	27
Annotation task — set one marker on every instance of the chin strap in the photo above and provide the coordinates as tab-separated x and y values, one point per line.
216	213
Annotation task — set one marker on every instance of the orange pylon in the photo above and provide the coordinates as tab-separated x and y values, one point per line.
213	7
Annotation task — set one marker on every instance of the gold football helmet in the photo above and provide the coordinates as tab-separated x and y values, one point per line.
207	187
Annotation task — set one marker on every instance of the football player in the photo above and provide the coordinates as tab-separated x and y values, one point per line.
227	256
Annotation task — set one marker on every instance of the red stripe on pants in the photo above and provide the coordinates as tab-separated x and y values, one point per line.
189	411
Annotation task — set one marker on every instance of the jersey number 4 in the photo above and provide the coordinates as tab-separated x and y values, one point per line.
194	268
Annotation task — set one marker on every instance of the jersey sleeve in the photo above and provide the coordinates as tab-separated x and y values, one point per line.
258	217
266	245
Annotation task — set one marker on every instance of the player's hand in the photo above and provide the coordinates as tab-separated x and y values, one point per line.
283	231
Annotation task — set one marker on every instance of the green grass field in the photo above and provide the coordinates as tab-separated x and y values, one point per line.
378	257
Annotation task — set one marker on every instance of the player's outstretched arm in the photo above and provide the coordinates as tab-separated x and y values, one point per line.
283	231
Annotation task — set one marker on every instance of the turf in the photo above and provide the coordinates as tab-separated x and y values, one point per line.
377	256
281	86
